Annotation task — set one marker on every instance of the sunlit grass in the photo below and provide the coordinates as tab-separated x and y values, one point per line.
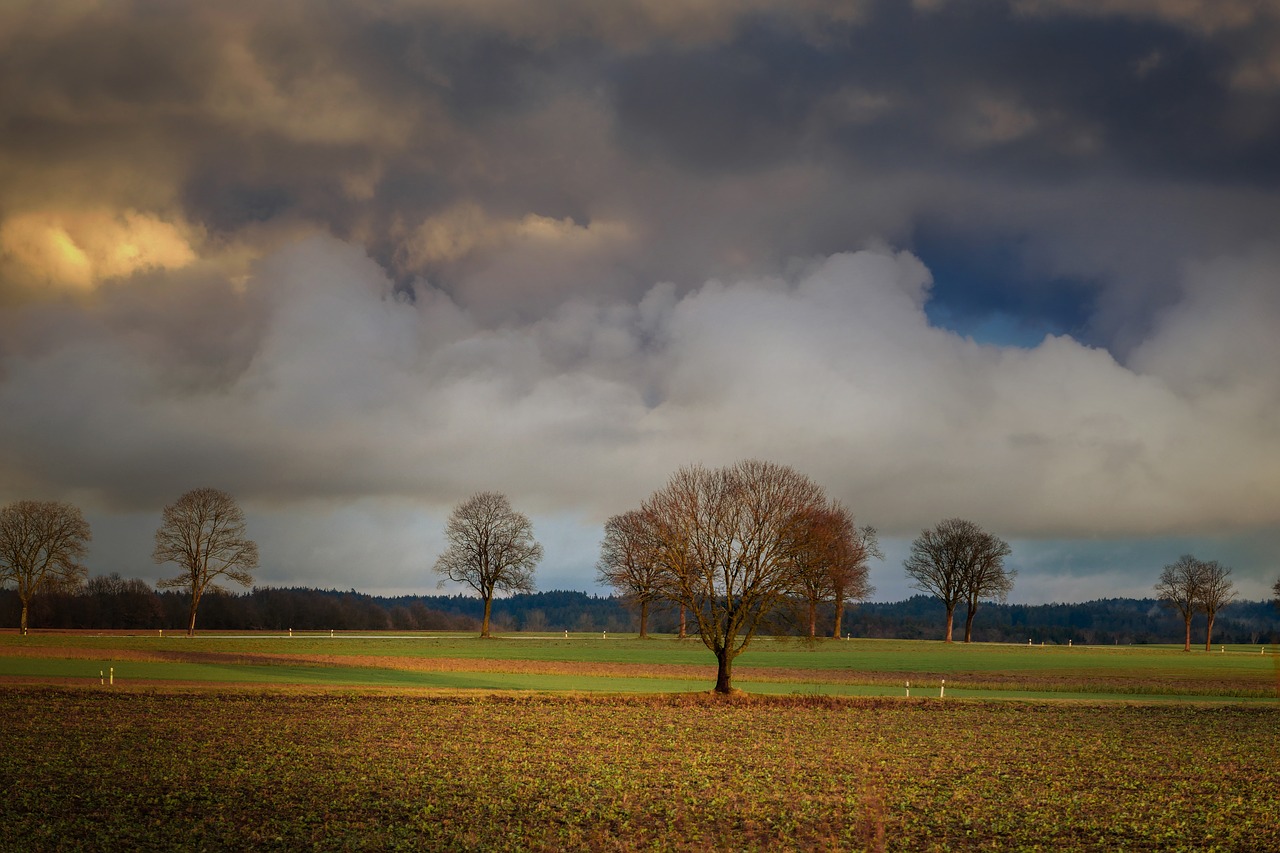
832	667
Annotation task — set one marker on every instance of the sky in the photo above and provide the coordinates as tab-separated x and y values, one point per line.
1015	261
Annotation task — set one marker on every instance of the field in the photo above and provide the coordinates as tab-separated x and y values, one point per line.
619	664
365	743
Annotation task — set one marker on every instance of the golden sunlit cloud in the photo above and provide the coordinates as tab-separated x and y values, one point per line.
80	249
466	228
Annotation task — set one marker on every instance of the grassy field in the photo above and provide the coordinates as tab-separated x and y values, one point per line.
262	770
626	664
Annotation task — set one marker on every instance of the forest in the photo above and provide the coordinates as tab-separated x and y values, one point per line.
113	603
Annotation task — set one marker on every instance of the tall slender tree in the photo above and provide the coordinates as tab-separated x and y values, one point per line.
850	566
987	579
203	532
1216	591
491	549
41	543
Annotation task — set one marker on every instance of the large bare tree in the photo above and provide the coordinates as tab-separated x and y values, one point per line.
41	544
628	564
491	549
203	532
833	560
1216	591
726	541
958	561
1180	587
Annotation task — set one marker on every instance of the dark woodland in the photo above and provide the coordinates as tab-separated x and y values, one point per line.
112	603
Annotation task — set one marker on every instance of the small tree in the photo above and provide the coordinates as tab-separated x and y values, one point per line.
203	532
726	542
627	563
41	543
958	561
491	549
1180	587
1216	591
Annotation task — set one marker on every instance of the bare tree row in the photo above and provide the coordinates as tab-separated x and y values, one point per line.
203	532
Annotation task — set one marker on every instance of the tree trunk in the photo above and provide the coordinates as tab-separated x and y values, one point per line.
644	619
968	623
24	618
1186	647
484	625
813	619
951	618
839	618
682	630
724	672
1208	633
191	626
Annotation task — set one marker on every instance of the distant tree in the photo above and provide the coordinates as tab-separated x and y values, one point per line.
203	532
1275	590
987	579
627	563
726	542
118	603
958	561
1181	587
1216	590
491	549
41	543
832	558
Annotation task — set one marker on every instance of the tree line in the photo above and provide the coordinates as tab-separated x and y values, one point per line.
109	602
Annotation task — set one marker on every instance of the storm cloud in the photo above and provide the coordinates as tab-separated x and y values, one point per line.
1014	261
